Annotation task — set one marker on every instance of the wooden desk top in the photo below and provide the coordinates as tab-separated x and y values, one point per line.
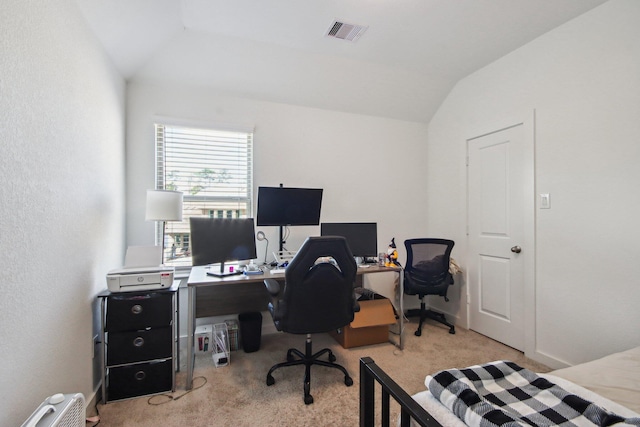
199	276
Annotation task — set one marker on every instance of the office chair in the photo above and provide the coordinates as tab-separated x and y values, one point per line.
317	296
427	273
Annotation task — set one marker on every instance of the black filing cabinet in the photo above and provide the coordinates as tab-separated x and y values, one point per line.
140	347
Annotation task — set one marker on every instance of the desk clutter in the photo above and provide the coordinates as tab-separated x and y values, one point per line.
219	339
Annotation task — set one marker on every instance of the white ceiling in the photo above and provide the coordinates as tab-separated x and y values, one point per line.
403	66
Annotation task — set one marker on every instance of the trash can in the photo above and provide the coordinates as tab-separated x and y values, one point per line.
250	331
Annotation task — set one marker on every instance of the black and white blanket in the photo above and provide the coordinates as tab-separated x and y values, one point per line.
504	394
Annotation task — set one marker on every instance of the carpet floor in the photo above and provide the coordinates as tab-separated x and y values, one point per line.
237	394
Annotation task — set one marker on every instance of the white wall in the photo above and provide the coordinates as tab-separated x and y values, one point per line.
583	81
62	192
371	169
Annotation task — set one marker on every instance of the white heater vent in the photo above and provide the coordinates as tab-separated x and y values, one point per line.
344	31
59	410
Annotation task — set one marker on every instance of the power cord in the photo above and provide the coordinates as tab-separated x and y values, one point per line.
94	419
169	398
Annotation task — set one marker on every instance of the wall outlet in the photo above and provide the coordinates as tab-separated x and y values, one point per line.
545	201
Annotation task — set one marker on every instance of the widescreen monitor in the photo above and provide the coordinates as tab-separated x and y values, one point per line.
286	206
362	237
220	240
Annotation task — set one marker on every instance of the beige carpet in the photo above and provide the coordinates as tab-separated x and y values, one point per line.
237	395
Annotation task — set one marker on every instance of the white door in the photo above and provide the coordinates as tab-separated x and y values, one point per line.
496	191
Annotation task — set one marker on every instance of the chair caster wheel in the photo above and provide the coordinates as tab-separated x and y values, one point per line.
270	380
418	333
348	381
452	331
308	399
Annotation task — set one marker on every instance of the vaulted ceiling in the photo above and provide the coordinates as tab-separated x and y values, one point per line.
403	65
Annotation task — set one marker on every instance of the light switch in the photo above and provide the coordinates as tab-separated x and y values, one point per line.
545	201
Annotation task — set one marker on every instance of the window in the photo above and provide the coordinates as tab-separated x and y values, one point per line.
213	169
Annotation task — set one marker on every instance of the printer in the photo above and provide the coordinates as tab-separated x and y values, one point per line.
130	279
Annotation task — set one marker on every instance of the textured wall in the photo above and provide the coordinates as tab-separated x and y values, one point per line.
62	192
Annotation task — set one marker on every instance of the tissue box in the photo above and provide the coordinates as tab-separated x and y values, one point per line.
203	337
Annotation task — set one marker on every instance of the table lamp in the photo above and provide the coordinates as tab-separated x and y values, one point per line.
164	205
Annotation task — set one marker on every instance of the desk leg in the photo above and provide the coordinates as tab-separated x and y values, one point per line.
401	273
400	296
103	347
191	324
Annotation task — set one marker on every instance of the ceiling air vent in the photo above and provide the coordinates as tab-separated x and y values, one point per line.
344	31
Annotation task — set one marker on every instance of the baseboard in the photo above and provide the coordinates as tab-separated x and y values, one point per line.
92	403
267	328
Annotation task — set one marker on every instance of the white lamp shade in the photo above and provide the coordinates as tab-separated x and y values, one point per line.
164	205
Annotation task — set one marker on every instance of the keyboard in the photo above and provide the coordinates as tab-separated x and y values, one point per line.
277	270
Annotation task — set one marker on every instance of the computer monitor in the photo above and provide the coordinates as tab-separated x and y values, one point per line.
218	240
362	237
286	206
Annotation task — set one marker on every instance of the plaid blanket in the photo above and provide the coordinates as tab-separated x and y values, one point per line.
504	394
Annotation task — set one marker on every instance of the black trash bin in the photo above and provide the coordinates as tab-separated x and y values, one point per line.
250	331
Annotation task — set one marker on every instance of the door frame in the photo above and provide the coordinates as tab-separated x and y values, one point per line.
527	120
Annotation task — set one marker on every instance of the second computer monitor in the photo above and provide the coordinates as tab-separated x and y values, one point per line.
362	237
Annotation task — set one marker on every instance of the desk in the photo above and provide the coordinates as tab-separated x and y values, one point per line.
214	296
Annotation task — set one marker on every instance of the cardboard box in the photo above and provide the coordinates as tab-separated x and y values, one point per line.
370	325
203	337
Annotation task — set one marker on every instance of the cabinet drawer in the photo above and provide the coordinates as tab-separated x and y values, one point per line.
138	346
127	312
140	379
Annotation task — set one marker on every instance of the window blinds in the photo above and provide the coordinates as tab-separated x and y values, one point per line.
214	170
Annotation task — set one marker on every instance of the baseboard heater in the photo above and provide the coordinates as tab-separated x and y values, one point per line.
59	410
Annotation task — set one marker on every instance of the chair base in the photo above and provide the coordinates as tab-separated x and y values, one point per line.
429	314
309	358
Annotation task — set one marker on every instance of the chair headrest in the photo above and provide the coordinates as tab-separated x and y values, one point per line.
317	247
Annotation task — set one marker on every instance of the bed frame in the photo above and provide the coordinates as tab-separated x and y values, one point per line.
370	373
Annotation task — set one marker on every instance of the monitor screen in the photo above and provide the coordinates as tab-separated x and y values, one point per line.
217	240
362	237
282	206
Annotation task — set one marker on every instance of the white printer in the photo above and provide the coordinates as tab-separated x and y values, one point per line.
130	279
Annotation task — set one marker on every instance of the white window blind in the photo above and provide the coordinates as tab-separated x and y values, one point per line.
214	170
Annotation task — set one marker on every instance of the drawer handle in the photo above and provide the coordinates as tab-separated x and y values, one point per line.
138	342
140	375
136	309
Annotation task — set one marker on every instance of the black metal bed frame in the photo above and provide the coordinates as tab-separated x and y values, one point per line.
370	373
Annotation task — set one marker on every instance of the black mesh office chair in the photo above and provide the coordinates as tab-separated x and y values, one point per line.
427	273
316	297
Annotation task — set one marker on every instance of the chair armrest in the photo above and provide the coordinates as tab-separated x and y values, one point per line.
272	286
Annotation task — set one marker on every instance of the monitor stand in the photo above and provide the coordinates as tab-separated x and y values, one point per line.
230	271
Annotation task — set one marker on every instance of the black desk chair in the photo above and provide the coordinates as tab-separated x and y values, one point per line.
427	273
316	297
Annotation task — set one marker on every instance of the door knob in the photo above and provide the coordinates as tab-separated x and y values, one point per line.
516	249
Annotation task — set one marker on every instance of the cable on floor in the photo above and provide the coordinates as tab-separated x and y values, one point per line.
166	398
